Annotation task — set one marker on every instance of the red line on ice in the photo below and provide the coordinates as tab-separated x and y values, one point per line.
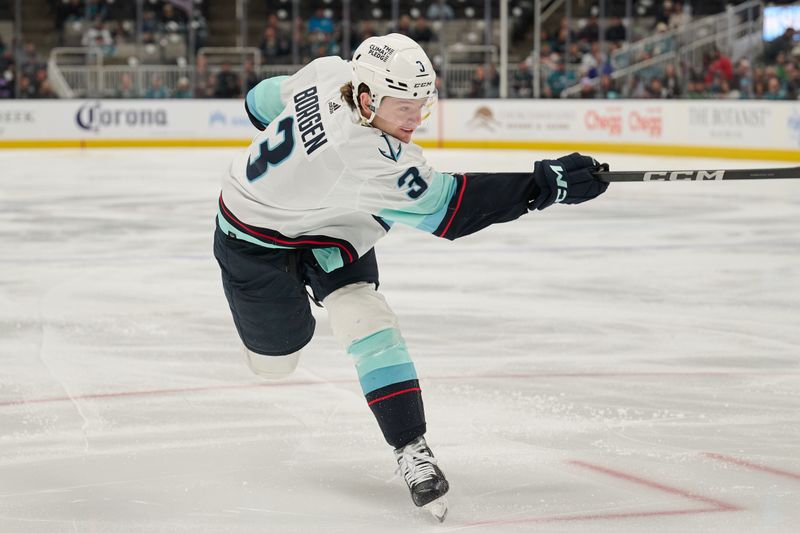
752	466
656	485
528	376
716	506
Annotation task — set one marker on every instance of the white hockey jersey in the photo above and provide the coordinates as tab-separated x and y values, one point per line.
315	178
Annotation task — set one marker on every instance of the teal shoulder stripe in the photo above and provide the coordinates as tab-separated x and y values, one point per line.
264	100
381	349
428	212
382	377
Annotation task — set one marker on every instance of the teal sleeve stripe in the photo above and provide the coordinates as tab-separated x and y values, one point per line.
229	229
427	213
264	100
328	258
379	350
389	375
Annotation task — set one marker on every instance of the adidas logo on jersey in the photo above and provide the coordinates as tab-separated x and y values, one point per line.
333	106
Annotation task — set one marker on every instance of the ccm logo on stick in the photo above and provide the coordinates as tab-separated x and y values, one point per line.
696	175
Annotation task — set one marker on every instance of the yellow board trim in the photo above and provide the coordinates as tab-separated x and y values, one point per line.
557	146
126	143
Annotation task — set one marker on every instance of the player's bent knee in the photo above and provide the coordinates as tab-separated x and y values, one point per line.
357	311
272	367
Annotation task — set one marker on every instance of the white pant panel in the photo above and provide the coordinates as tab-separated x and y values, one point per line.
272	366
357	311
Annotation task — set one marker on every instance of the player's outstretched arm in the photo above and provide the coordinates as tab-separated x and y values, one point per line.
483	199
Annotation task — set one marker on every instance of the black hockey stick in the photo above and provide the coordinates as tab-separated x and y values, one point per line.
699	175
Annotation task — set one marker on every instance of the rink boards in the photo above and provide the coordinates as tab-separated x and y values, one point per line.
732	129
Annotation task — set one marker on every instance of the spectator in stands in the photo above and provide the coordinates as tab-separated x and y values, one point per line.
184	90
125	89
99	36
719	63
616	31
95	9
679	17
227	83
320	22
574	56
522	81
774	90
251	79
780	66
2	46
121	31
671	82
150	23
422	32
792	82
39	80
210	87
367	30
564	30
784	43
636	87
655	89
30	60
608	88
26	88
322	44
597	63
46	91
7	84
696	89
6	61
663	12
725	91
559	79
437	10
591	31
156	89
587	88
478	85
404	26
69	11
201	76
172	20
666	42
759	89
274	48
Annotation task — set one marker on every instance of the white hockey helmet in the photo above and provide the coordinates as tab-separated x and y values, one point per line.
393	65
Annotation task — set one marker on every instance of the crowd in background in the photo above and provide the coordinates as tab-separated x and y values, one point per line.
571	56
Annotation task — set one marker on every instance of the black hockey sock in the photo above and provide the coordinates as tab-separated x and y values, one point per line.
399	411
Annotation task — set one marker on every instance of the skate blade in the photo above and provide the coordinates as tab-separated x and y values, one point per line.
438	508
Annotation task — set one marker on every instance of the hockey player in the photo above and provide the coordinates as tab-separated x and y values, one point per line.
329	174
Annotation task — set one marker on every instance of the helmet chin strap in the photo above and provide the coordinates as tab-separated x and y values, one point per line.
362	120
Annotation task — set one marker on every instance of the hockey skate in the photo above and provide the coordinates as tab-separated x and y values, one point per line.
425	480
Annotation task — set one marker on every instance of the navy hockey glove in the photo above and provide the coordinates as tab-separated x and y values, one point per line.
566	180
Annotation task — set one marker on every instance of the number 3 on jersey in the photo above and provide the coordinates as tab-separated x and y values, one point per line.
416	185
272	155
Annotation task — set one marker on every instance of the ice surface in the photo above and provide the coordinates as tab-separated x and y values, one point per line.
632	364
